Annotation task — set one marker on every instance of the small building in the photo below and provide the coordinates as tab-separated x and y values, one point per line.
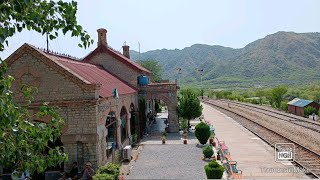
296	106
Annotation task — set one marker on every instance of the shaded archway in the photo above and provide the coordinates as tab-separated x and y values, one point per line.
124	123
111	138
134	123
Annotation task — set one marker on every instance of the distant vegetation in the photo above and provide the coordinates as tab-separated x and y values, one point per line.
281	58
154	67
277	97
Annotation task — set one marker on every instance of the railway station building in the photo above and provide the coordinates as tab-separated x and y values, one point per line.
98	96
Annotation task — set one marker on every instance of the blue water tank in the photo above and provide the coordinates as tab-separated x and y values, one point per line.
143	80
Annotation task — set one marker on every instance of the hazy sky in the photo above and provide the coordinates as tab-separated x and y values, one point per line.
171	24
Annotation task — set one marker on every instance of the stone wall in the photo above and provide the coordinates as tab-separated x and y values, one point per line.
116	67
52	85
103	110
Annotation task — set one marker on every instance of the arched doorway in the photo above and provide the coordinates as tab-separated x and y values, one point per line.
111	138
134	124
169	102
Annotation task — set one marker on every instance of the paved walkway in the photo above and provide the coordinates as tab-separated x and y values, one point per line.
173	160
255	158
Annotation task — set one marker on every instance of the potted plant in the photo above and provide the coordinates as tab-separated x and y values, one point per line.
214	170
207	151
163	137
202	132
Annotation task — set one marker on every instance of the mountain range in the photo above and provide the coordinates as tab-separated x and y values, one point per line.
281	58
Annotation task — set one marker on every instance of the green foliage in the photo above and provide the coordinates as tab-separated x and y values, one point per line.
214	170
202	132
109	171
309	110
189	106
277	94
184	124
142	109
207	151
154	67
23	140
157	107
284	106
22	149
45	17
103	177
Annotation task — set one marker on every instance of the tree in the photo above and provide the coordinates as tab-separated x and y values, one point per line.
309	110
277	94
42	16
189	106
24	142
154	67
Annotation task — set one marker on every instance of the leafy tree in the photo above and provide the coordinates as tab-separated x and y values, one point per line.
202	132
260	93
154	67
284	106
189	106
277	94
23	141
46	17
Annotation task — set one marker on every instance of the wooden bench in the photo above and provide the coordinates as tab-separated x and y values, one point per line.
223	150
232	171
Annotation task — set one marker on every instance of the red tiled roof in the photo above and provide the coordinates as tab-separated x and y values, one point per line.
93	74
118	56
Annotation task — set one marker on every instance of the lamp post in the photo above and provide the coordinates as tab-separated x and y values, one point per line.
201	74
179	74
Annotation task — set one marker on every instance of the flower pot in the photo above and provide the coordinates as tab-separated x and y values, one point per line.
211	141
163	141
218	157
214	144
185	141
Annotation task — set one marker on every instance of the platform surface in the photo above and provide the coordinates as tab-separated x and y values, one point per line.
255	157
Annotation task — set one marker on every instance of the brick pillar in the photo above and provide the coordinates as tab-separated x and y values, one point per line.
173	118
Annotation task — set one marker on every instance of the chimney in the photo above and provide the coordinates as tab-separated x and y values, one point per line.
126	52
102	37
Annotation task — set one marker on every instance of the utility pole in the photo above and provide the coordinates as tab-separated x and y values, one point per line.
201	75
139	50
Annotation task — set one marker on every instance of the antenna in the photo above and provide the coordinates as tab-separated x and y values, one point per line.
47	43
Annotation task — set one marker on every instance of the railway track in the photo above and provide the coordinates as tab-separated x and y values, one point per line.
304	157
311	125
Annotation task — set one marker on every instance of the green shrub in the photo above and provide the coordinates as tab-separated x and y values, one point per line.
103	177
207	151
284	106
214	170
309	110
202	132
112	170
